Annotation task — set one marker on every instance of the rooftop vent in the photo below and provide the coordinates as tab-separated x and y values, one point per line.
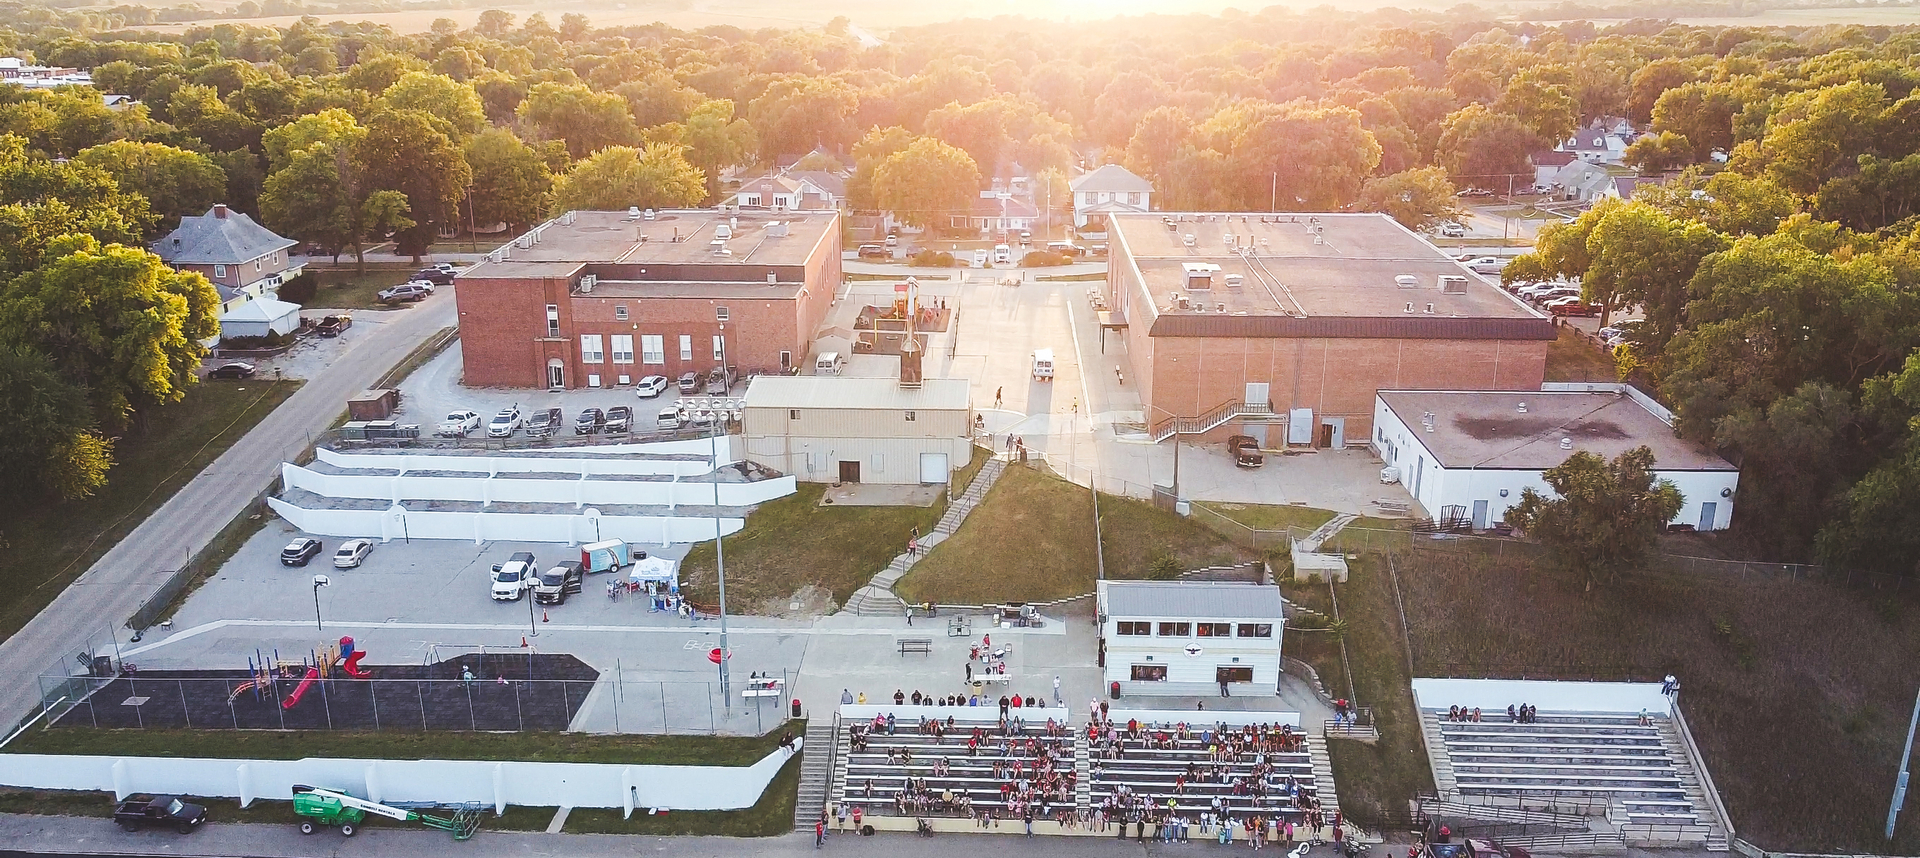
1429	309
772	278
587	282
566	219
1409	306
1229	239
1200	274
777	229
1182	301
1566	443
649	214
1453	284
1523	408
1234	281
1219	308
1407	281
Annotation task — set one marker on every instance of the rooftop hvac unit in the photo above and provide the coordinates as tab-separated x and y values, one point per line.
1406	281
1187	239
1453	284
494	257
1229	239
1319	239
524	241
1235	281
777	229
566	219
587	282
772	278
1566	443
648	214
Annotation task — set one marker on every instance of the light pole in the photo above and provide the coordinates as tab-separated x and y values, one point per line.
318	582
1900	783
533	628
719	546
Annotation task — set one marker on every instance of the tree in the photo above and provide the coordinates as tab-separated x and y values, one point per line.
324	197
868	154
1605	516
715	140
799	113
1416	198
115	320
1641	255
511	183
1883	193
587	120
335	127
1480	145
174	181
1658	153
1651	81
404	152
1818	134
441	97
41	200
1700	112
1311	159
1542	99
620	177
926	183
1726	201
44	413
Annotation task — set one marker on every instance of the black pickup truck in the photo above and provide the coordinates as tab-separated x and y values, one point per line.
140	811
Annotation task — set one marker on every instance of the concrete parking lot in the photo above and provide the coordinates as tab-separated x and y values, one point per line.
434	390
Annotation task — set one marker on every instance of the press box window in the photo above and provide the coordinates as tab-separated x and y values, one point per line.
793	414
1214	630
909	417
1149	673
1175	630
1131	628
1256	630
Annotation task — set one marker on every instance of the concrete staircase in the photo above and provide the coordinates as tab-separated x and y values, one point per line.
1326	531
1443	779
1082	772
818	754
877	599
1704	805
1323	784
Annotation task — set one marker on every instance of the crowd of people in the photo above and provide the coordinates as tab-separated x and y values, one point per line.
1030	773
1517	713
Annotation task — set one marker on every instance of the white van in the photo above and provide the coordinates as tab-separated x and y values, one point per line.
980	258
1002	255
829	363
1043	364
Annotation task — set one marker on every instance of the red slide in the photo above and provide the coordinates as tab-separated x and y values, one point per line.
313	675
352	665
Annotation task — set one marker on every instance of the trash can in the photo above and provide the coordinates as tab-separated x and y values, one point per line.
1113	690
796	707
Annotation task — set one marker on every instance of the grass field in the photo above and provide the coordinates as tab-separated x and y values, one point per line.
1797	692
1573	358
348	289
45	546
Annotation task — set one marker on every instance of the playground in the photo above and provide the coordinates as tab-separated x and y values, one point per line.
330	689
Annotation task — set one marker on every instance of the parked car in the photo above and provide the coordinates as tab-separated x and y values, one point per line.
719	381
873	251
556	584
1534	289
893	241
352	553
1574	307
1542	296
235	369
689	382
513	577
331	326
299	551
1099	251
1245	451
651	386
140	811
543	423
435	275
620	419
1065	248
1453	230
404	293
589	421
1487	264
503	424
668	420
459	424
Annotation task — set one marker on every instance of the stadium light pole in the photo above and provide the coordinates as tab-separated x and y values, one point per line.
719	548
318	582
1900	782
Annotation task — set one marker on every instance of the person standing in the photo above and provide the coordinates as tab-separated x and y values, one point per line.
996	396
819	832
1027	817
1057	699
909	615
1223	687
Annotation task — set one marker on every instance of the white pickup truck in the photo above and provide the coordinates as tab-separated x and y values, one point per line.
458	424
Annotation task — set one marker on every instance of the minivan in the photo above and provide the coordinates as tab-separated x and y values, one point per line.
1002	254
829	363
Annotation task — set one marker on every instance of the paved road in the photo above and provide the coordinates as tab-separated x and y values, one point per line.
109	592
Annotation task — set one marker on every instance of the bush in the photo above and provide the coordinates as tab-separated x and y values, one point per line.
931	259
270	341
1044	258
300	289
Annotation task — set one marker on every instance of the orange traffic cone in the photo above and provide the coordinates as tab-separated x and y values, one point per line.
543	616
523	640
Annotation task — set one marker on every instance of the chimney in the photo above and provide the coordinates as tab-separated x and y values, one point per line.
220	210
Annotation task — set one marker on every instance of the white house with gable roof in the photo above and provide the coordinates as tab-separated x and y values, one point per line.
1111	189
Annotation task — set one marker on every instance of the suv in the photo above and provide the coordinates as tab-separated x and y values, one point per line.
543	423
619	419
404	293
719	381
503	424
873	251
513	577
1246	451
438	275
299	551
331	326
689	382
556	584
589	421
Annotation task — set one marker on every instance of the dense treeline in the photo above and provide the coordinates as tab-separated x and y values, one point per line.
1778	270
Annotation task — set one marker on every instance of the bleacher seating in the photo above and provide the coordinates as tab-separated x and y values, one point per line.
1151	772
1610	756
968	776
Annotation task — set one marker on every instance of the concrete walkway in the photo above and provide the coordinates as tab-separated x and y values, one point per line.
102	599
877	598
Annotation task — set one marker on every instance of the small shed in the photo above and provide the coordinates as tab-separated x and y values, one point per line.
260	317
373	404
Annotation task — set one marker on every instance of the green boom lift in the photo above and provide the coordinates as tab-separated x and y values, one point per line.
324	807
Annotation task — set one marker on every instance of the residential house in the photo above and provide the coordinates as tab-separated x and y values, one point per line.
1602	141
1582	182
1109	190
997	212
789	190
1546	164
243	259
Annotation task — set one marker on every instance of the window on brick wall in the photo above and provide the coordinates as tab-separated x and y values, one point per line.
720	313
620	312
553	320
686	347
623	348
652	348
719	347
590	350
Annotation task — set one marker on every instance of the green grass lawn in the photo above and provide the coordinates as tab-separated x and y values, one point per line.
1134	534
347	288
1029	540
45	546
795	543
1573	357
395	745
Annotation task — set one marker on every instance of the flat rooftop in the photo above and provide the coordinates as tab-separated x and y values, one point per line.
671	238
1192	599
1311	269
851	393
1488	429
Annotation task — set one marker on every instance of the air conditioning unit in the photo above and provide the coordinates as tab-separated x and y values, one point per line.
587	282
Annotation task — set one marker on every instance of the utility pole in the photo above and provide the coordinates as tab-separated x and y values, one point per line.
1900	783
719	544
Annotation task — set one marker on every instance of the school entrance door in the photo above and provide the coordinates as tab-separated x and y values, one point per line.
850	472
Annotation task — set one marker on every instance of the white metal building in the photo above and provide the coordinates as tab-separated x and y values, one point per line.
1186	637
859	430
1478	449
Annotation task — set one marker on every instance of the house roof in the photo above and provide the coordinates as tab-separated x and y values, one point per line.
1487	430
1016	207
832	183
1551	159
1111	177
219	237
1199	600
843	393
261	310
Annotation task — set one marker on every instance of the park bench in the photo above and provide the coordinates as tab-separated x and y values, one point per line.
759	692
923	646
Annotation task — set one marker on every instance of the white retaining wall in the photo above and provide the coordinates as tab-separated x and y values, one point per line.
498	784
1626	698
498	462
576	490
586	526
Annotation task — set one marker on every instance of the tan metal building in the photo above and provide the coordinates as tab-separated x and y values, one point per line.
859	430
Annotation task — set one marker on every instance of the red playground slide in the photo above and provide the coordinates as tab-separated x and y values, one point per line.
313	675
352	665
